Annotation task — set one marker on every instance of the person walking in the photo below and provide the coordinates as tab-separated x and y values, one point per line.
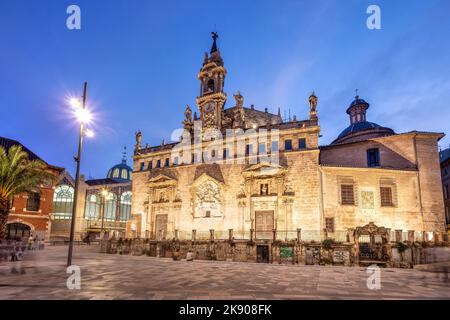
35	243
30	242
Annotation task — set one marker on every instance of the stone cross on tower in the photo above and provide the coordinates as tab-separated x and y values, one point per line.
215	36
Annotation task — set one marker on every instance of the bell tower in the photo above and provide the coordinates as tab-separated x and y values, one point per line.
212	99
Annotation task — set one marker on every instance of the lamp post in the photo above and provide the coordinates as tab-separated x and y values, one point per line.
83	117
105	194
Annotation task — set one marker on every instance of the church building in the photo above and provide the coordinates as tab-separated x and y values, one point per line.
250	174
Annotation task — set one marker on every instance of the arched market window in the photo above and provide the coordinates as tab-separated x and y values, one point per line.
92	207
110	206
63	202
125	206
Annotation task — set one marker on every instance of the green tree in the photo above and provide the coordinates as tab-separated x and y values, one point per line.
18	175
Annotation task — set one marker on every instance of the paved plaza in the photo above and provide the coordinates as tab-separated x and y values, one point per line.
42	275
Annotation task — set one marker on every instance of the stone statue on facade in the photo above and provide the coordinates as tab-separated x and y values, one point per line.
137	146
188	123
313	106
239	100
239	114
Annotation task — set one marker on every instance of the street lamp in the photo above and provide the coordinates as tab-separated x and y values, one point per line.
105	194
84	117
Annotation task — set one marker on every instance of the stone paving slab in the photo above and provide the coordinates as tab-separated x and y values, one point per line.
42	275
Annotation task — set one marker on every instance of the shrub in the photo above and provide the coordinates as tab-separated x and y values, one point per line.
327	243
401	247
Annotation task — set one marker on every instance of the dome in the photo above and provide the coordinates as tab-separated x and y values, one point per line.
356	102
359	128
120	172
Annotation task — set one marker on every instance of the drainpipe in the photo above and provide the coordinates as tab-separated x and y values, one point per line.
321	206
418	180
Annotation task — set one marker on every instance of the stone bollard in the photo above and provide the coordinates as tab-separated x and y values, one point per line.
230	234
398	235
299	235
251	235
435	237
190	256
211	234
176	234
194	234
411	235
424	236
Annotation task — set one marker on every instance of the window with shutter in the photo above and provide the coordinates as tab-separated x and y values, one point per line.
386	197
347	194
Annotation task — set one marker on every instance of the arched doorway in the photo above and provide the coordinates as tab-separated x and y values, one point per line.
17	230
371	243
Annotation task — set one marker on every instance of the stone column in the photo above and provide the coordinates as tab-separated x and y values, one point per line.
274	231
351	235
230	234
398	235
251	234
211	234
424	236
194	233
176	234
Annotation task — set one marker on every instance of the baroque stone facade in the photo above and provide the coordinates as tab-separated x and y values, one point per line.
272	180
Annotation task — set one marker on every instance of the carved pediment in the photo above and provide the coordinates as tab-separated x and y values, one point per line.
161	180
264	169
205	177
211	170
370	229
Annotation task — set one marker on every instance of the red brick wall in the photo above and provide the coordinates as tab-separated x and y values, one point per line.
38	221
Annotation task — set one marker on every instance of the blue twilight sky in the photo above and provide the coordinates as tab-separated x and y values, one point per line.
141	59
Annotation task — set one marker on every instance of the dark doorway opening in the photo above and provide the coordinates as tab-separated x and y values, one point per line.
17	231
262	254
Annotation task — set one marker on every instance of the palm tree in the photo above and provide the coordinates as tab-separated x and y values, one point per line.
18	174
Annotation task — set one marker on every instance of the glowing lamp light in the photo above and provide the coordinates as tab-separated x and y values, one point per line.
75	103
89	133
83	115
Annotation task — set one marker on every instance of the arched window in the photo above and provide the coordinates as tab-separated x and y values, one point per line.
63	202
92	207
116	173
110	206
210	85
125	206
124	174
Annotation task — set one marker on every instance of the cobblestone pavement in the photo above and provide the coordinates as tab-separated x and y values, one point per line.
42	275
